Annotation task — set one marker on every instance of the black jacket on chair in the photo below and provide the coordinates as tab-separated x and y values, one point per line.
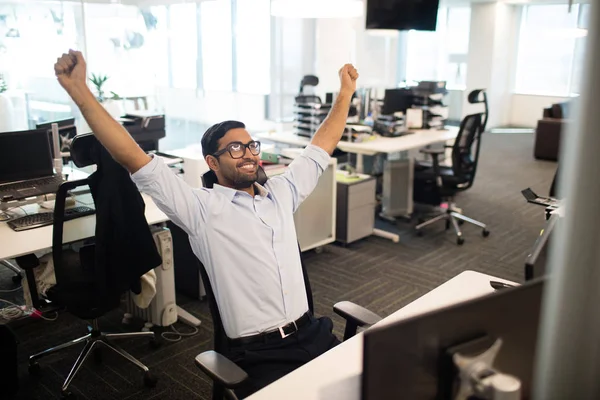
125	248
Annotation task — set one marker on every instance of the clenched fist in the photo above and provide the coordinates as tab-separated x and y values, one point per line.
348	76
70	70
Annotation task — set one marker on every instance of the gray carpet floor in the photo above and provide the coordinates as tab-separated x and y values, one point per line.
376	273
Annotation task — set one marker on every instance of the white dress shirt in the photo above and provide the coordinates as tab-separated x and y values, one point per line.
248	245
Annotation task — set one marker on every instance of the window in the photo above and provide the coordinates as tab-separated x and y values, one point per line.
216	36
441	55
551	49
253	46
32	35
183	46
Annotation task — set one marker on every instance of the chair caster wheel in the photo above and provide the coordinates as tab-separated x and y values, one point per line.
419	233
34	368
67	395
447	224
150	380
461	222
460	241
485	233
17	279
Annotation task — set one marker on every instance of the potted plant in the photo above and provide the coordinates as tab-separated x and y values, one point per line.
111	104
6	107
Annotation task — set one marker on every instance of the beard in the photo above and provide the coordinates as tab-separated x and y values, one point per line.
244	181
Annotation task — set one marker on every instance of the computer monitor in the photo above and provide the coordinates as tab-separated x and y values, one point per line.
537	259
24	155
402	15
66	132
411	359
396	100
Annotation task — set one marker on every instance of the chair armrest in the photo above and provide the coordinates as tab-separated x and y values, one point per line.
220	369
355	316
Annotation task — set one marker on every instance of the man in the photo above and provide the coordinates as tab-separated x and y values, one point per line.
241	231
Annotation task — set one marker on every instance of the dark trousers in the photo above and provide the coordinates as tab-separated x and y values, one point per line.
266	362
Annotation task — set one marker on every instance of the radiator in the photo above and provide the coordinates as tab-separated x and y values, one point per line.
163	308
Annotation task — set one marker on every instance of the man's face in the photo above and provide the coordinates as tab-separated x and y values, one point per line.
238	173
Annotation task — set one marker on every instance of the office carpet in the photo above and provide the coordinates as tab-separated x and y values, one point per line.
376	273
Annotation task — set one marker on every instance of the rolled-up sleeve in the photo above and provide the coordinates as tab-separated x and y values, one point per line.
302	175
182	204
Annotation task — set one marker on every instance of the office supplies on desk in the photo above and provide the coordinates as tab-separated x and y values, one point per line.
26	168
413	358
37	220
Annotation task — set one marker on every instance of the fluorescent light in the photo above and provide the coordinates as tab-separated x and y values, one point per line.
317	8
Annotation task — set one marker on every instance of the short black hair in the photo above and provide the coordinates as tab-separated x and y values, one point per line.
210	139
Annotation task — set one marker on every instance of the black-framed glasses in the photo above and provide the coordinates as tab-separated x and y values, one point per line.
238	149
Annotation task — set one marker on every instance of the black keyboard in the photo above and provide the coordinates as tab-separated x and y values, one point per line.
56	179
46	218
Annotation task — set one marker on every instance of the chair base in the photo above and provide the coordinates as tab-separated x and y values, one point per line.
92	341
454	218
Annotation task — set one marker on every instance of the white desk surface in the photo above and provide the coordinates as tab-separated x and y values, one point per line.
415	140
14	244
336	374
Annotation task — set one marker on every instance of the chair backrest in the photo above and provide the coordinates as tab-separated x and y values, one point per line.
465	151
308	80
220	338
84	152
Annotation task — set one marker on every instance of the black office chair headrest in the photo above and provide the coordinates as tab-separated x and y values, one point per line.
477	96
84	150
210	178
308	80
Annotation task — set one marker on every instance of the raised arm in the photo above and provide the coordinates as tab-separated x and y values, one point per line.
70	70
331	130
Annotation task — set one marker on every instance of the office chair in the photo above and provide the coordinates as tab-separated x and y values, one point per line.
81	286
435	184
224	373
301	98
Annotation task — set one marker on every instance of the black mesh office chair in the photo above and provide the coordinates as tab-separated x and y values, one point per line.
435	184
225	374
82	288
301	98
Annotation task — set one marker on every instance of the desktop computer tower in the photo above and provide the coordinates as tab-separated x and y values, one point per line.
397	199
163	307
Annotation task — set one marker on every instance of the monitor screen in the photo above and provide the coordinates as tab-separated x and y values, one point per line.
24	155
402	15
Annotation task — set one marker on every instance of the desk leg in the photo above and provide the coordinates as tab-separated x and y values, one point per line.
360	166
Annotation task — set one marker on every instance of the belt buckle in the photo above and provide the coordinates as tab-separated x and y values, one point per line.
283	334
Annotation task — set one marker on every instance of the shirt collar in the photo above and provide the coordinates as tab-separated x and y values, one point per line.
230	193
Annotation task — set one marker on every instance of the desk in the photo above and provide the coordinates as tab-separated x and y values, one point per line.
398	176
336	374
16	244
386	145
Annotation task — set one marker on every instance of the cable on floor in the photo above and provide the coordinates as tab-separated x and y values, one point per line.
176	336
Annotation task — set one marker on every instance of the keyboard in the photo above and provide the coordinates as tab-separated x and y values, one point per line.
46	218
56	179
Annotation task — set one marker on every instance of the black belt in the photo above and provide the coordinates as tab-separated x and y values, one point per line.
280	333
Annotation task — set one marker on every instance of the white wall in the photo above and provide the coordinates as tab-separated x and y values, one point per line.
527	109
